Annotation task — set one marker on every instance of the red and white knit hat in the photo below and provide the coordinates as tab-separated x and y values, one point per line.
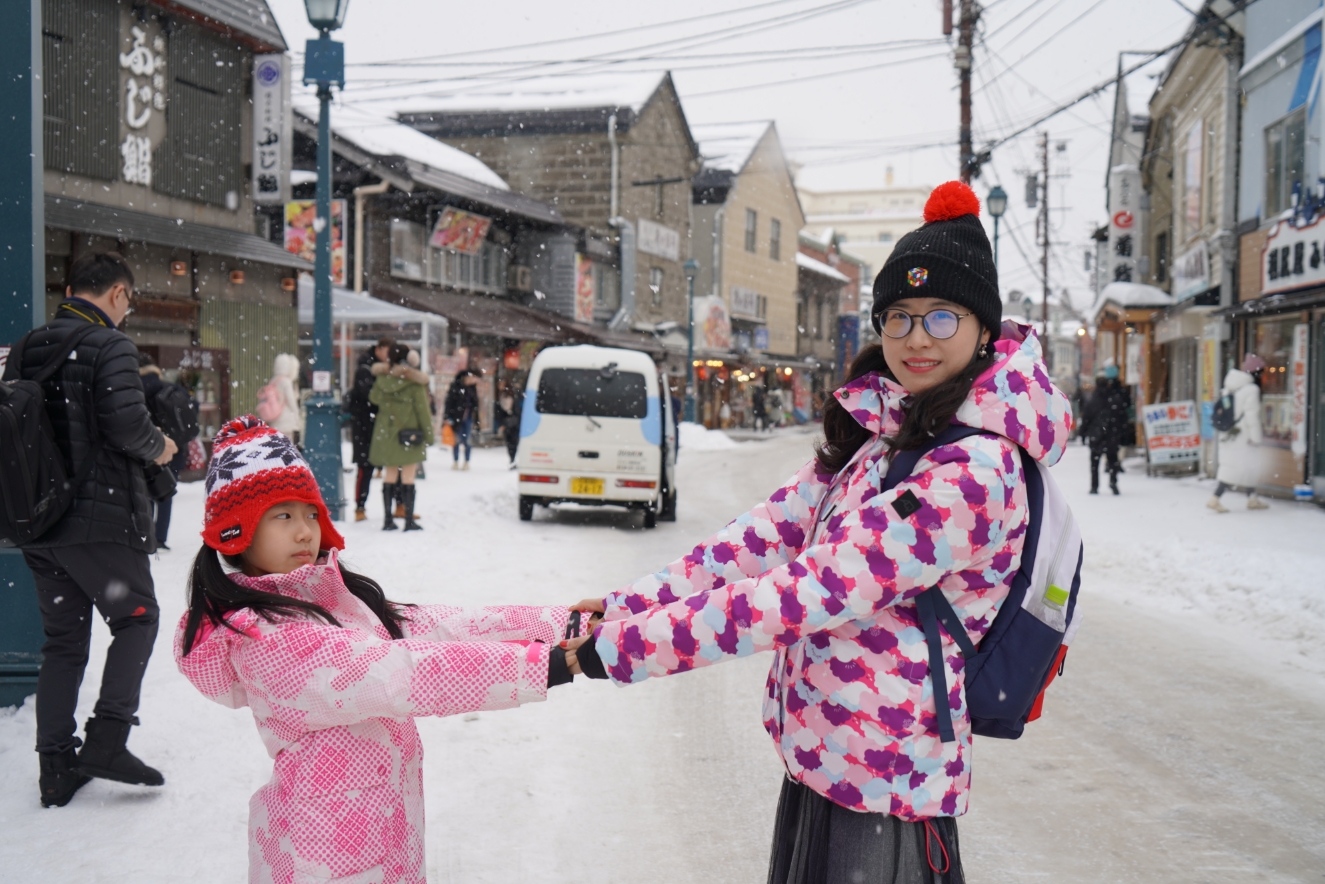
253	468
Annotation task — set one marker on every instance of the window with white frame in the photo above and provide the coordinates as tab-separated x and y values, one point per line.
656	285
412	258
1285	160
751	229
775	239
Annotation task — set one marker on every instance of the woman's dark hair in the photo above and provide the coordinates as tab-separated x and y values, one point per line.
927	413
399	354
214	596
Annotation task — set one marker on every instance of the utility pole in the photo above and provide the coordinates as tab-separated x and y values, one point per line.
1044	242
969	14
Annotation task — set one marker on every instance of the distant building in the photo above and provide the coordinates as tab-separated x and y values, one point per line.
846	329
866	223
614	156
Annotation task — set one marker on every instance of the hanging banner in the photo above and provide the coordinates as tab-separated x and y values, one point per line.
301	234
271	129
143	81
713	326
1173	433
584	289
459	231
1297	388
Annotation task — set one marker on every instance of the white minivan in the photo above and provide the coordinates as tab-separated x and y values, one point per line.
597	429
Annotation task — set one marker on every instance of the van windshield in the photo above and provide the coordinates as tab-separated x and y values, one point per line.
592	392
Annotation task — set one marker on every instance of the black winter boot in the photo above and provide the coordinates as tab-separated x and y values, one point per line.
104	755
1113	483
388	501
60	777
410	524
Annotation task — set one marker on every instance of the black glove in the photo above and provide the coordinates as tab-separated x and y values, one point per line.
590	663
557	670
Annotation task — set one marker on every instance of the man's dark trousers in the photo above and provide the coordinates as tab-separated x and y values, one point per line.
71	581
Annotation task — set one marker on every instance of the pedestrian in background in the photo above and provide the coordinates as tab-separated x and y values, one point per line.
278	401
96	555
1105	424
759	409
1239	447
362	414
402	431
175	413
461	412
509	405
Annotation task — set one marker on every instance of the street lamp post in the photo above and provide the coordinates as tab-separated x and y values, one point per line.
324	65
997	204
691	268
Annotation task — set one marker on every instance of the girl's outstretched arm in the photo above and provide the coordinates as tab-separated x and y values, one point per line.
445	623
317	676
769	535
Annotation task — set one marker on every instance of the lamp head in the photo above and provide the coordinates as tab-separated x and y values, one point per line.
326	15
997	202
691	268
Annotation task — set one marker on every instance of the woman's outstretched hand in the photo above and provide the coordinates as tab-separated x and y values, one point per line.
592	605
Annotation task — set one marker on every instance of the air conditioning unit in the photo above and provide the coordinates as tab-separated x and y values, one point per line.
520	278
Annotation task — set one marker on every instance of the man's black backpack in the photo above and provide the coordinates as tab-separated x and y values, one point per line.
35	485
1224	417
176	413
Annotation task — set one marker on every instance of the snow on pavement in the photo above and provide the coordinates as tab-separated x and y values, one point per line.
1179	745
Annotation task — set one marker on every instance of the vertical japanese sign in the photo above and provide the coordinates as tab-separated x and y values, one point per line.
584	289
271	129
1297	388
142	62
301	234
1124	223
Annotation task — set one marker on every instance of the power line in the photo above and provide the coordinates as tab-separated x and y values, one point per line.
872	67
1096	5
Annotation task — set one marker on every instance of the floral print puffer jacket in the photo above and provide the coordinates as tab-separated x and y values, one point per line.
825	572
335	708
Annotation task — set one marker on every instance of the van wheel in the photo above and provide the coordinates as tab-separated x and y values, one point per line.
650	517
668	513
526	508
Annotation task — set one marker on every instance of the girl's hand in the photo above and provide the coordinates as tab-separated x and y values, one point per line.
570	646
594	605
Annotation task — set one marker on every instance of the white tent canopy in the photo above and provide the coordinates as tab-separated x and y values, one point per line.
349	310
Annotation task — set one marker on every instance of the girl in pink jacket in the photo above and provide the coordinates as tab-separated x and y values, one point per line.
333	672
825	573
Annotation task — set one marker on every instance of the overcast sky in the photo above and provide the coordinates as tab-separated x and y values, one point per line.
847	114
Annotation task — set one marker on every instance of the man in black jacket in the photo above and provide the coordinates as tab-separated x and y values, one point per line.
1104	421
362	416
97	554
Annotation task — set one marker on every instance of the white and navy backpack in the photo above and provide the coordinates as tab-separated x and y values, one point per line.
1024	649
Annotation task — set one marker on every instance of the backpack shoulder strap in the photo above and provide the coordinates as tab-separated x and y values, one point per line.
903	463
70	343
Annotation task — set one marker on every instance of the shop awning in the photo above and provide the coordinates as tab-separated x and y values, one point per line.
1272	304
346	306
1129	296
134	226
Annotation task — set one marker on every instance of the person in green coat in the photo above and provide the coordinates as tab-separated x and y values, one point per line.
400	393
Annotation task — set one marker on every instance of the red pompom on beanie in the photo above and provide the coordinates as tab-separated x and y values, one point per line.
949	200
253	468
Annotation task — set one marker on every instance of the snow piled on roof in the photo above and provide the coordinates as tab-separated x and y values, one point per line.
728	146
1131	294
375	132
816	266
630	90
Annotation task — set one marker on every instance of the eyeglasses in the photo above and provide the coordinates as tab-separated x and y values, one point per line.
941	324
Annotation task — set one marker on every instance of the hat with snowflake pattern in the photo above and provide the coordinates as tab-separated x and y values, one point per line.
253	468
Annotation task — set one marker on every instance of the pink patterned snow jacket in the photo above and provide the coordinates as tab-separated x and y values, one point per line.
335	708
824	573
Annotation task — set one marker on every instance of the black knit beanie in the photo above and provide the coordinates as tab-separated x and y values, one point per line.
949	258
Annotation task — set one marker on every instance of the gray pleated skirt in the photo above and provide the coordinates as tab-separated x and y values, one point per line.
818	842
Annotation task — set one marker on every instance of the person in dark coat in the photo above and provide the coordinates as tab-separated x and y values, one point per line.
461	412
1105	423
759	408
363	415
153	383
96	555
509	406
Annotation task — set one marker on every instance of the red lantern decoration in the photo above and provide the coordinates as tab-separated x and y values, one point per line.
511	359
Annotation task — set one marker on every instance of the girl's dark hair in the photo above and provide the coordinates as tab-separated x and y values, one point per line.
927	413
214	596
399	354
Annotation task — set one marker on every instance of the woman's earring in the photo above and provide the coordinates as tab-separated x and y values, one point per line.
984	350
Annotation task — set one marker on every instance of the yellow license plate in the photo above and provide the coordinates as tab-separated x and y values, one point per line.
584	485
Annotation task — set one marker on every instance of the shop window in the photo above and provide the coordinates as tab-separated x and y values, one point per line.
81	85
407	249
656	285
1285	160
751	229
200	156
1272	340
775	239
607	286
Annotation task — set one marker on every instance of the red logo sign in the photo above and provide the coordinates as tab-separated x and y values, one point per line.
1123	219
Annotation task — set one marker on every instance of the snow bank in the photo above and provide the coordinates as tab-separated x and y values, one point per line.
697	437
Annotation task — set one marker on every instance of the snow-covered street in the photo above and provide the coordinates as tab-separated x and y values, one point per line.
1180	746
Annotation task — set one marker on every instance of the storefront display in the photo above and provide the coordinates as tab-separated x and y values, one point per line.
1272	340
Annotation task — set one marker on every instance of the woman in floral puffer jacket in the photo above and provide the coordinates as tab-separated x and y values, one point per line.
825	572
